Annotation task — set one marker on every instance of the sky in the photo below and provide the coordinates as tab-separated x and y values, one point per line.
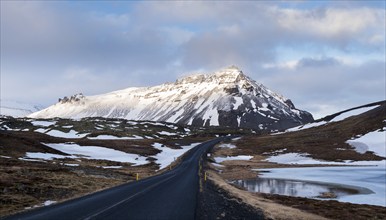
325	56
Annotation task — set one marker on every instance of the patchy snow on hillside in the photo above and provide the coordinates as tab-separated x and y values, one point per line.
353	113
230	146
57	133
46	156
359	146
166	133
335	119
374	141
99	153
306	126
239	157
295	158
48	202
43	123
111	137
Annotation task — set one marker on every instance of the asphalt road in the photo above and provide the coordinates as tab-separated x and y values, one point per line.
171	195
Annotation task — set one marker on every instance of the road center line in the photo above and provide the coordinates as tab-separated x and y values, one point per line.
127	199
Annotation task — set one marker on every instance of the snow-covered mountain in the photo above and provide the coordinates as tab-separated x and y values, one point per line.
224	98
17	109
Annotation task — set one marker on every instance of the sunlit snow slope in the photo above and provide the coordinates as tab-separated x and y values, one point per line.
224	98
17	109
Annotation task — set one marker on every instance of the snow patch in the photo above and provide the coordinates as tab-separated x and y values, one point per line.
375	141
353	113
359	146
166	133
111	167
46	156
43	123
240	157
56	133
99	153
295	158
48	202
230	146
111	137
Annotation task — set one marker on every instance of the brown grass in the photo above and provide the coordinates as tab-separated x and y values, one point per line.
323	143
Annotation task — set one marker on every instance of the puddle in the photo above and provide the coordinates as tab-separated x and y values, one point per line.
299	188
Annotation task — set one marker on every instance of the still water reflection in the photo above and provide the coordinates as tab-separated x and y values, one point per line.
299	188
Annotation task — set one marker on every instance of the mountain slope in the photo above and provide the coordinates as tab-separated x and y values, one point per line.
17	109
225	98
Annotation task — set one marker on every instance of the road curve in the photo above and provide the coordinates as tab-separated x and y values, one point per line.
171	195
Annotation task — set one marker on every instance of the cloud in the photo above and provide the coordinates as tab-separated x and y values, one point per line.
332	22
63	48
323	88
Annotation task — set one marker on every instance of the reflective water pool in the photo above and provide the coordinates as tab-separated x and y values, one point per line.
299	188
361	185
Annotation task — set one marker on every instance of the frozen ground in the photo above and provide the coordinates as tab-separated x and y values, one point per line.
372	178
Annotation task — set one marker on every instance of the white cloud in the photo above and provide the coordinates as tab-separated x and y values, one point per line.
48	46
334	22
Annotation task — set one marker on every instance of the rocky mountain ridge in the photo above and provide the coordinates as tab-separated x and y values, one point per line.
226	98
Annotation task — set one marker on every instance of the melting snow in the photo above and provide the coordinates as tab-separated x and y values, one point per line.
359	146
295	158
306	126
48	202
43	123
166	133
99	153
231	146
56	133
240	157
112	167
46	156
375	141
353	113
111	137
71	164
32	160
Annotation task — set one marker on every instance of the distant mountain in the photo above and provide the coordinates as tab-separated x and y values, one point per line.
226	98
17	109
342	115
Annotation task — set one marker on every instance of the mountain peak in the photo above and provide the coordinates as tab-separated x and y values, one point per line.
231	74
226	98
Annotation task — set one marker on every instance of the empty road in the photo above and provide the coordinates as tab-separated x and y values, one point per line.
171	195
